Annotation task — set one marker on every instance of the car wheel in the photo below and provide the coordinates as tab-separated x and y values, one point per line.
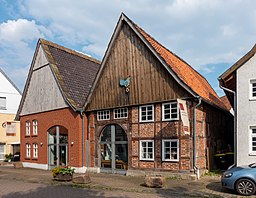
245	187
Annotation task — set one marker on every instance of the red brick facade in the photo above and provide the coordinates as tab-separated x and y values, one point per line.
213	128
63	117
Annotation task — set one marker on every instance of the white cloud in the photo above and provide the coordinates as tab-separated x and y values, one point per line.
199	31
16	38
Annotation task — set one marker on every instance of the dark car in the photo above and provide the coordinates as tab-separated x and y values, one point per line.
240	178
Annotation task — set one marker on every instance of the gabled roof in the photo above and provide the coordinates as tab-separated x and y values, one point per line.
181	71
226	102
228	78
10	81
74	72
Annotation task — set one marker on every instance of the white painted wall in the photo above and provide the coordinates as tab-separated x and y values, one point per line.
246	112
11	93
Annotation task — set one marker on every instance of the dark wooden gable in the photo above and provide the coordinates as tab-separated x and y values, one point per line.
150	81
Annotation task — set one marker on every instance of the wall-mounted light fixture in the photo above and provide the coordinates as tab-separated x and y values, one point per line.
72	143
41	143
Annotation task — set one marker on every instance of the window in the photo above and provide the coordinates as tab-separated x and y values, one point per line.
35	150
34	127
170	111
10	129
121	113
253	139
2	103
170	150
253	89
147	150
147	113
28	148
103	115
27	128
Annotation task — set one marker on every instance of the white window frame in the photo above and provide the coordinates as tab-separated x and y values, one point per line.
163	150
103	115
28	150
251	97
252	135
120	113
27	128
153	112
35	127
163	111
35	150
3	103
141	150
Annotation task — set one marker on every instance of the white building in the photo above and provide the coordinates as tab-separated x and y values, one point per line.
239	83
9	129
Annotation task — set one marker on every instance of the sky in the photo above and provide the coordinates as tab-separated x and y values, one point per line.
210	35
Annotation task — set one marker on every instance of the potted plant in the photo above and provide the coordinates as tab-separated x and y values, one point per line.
63	173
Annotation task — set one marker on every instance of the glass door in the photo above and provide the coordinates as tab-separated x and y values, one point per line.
114	149
57	147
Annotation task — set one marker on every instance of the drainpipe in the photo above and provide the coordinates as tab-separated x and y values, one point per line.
235	120
88	142
194	135
82	116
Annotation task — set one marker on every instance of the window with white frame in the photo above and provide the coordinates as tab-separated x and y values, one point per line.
27	128
146	149
35	150
253	139
253	89
2	103
35	126
120	113
170	111
103	115
147	113
28	150
170	150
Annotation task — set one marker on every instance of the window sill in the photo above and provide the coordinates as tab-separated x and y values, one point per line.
27	158
252	99
34	159
27	136
145	160
34	135
252	154
170	160
172	120
146	121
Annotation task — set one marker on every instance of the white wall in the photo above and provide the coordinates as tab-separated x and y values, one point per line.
246	112
11	93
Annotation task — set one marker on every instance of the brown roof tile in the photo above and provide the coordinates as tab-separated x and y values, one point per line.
75	71
183	70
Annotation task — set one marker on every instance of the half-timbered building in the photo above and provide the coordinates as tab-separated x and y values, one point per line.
149	110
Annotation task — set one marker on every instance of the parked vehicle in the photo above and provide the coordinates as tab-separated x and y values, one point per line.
240	178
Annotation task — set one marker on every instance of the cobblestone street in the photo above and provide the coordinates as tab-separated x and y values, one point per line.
25	182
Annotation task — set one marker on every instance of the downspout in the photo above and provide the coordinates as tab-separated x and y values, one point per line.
235	119
88	142
82	116
194	135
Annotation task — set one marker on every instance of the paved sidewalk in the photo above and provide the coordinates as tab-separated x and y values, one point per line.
108	185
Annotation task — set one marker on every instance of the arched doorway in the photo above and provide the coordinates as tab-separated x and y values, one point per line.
113	149
57	146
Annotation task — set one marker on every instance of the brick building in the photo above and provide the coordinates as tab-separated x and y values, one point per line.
51	115
135	112
146	110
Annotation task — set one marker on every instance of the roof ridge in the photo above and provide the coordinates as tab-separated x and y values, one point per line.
173	60
68	50
173	53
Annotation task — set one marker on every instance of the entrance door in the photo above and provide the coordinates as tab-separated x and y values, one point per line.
114	149
57	147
